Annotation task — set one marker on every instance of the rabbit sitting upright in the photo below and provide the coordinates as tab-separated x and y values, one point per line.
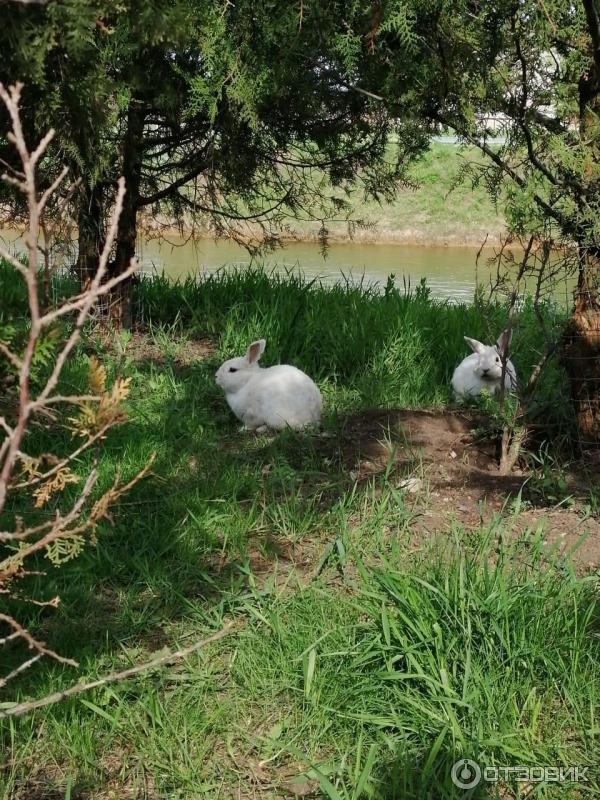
483	369
276	397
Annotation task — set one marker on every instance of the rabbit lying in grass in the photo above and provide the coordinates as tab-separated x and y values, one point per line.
276	397
483	369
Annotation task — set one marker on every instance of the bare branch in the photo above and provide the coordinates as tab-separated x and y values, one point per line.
65	461
10	356
52	189
58	530
34	644
115	677
21	668
67	399
41	148
13	261
60	536
92	294
81	301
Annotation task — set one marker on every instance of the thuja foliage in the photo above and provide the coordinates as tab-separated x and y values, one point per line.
227	112
534	68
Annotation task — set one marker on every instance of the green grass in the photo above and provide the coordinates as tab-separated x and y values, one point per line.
366	346
447	203
365	673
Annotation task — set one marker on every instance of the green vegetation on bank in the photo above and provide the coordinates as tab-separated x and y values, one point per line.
440	209
446	205
362	666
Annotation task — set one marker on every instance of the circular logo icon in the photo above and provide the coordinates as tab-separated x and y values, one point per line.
466	774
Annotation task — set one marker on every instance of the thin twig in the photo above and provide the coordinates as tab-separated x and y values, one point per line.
65	461
21	668
32	643
10	356
83	516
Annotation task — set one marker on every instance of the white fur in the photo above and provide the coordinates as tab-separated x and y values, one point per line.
275	397
483	369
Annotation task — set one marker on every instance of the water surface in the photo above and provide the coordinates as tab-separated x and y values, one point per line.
451	273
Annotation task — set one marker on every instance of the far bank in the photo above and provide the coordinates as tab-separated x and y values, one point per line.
445	209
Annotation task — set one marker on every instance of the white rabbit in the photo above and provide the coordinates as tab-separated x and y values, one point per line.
275	397
483	369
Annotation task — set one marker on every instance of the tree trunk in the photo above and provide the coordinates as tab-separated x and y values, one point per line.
90	234
127	229
581	353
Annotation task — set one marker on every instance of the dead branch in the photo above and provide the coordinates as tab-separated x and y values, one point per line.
114	677
61	536
538	265
32	644
64	462
83	304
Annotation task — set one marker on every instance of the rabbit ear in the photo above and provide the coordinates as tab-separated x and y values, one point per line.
503	342
255	351
475	346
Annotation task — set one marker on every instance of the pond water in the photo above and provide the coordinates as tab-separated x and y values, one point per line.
451	272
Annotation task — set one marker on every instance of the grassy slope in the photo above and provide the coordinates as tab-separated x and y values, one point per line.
369	678
441	210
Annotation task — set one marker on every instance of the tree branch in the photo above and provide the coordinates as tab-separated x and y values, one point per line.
566	225
593	22
32	643
173	187
114	677
230	214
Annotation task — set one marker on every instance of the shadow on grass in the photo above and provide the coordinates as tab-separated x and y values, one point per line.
220	504
431	779
184	539
404	779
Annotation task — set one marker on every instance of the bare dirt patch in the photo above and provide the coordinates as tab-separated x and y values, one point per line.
459	473
184	352
280	563
442	444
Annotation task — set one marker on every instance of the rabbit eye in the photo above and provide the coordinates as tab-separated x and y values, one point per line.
497	360
232	369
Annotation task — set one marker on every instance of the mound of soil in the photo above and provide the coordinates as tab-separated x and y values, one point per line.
444	443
